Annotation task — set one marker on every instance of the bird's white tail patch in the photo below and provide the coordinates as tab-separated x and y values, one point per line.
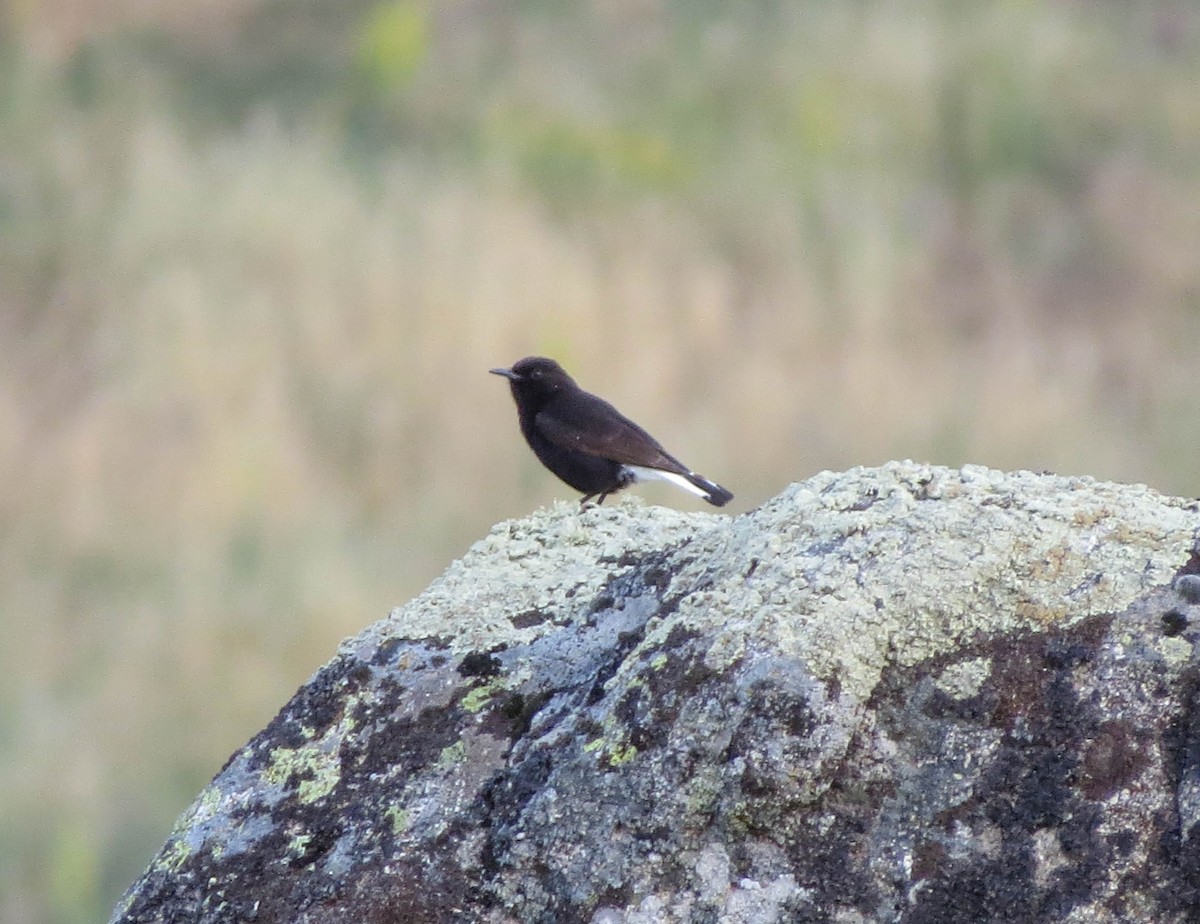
641	473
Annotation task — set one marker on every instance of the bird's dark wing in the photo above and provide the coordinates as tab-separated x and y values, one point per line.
591	425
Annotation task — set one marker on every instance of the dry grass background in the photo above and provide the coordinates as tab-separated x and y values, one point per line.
253	271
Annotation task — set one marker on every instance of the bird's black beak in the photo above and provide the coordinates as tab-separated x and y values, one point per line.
507	373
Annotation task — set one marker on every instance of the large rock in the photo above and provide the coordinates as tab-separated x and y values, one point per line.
896	694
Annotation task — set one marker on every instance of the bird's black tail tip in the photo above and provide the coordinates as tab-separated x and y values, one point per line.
714	493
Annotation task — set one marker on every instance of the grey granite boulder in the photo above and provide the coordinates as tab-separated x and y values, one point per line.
904	694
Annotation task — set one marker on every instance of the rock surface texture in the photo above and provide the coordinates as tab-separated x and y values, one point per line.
904	694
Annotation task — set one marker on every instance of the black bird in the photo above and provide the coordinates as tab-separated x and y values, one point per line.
587	442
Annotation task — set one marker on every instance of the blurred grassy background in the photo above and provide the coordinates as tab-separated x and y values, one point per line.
257	256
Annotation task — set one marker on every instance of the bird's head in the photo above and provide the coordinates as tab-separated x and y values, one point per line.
535	376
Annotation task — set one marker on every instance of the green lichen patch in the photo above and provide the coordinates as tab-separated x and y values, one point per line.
298	845
316	765
398	817
621	754
174	855
451	755
317	768
478	697
615	753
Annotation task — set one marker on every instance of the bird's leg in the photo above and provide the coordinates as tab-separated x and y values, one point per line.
587	497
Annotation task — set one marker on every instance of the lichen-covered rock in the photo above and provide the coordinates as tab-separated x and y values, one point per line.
900	694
